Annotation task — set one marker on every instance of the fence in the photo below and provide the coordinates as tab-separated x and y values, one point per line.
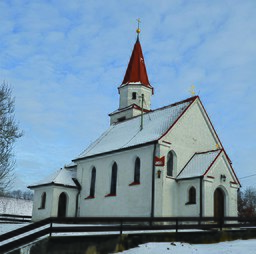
4	218
118	225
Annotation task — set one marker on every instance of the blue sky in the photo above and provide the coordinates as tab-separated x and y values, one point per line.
65	60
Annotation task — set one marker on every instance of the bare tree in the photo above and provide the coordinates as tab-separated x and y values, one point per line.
247	202
9	132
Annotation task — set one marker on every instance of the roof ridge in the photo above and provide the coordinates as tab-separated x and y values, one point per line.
196	153
162	108
210	151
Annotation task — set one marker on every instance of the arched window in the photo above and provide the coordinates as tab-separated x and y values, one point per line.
93	181
170	163
192	195
113	179
43	201
137	170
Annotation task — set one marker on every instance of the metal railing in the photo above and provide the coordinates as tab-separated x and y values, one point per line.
4	218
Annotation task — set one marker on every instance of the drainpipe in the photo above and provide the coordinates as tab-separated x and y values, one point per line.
153	182
79	187
201	197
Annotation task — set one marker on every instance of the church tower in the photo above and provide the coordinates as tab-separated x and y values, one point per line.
135	91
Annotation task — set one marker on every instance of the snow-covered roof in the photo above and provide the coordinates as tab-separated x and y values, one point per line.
128	133
198	164
132	106
60	177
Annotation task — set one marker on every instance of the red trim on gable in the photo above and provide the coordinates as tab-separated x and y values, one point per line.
210	122
166	142
212	177
233	182
232	168
212	163
192	99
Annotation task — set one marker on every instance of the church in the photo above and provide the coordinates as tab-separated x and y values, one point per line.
148	163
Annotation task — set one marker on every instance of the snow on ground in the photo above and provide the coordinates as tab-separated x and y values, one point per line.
15	206
4	228
231	247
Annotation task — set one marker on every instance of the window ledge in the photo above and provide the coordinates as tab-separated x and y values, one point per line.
134	183
190	203
90	197
170	177
41	208
110	195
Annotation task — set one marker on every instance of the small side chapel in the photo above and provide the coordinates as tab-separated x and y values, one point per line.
148	163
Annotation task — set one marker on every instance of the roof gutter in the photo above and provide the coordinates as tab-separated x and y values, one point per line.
114	151
79	187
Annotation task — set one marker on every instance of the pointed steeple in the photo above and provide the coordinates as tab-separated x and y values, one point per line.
136	71
135	90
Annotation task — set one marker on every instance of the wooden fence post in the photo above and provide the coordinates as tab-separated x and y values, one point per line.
177	224
51	227
121	226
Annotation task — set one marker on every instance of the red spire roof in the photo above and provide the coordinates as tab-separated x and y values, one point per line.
136	70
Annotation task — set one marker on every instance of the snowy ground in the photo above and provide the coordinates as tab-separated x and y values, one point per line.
15	206
232	247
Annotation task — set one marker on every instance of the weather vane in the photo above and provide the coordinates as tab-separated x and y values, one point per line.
138	29
192	90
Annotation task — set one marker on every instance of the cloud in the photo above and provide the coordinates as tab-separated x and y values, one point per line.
65	61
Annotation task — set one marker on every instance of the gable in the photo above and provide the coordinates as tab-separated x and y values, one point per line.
211	164
223	166
62	177
199	164
194	125
192	133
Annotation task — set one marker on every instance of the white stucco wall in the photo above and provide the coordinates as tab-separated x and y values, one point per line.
183	208
129	113
130	200
219	168
38	213
52	198
126	96
192	133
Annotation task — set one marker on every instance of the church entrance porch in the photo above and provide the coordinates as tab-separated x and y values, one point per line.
219	203
62	205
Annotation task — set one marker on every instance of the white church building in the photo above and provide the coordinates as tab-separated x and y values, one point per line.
148	163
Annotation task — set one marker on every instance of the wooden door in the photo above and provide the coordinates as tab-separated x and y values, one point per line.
219	203
62	206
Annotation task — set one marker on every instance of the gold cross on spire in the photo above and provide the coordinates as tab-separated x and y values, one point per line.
138	29
192	90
